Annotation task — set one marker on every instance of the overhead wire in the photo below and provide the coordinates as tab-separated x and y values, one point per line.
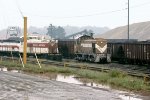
140	5
77	16
8	20
19	9
88	15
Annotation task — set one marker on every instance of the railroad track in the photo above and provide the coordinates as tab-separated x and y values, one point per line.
137	71
133	71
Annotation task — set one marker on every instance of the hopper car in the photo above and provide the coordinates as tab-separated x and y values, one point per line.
137	52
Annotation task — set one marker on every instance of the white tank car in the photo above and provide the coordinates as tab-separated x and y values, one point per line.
92	50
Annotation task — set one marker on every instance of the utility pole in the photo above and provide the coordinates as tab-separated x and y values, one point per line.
51	30
128	21
25	41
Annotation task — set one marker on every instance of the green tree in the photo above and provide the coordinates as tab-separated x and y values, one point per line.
56	32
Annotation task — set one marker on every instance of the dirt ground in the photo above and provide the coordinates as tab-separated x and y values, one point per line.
18	86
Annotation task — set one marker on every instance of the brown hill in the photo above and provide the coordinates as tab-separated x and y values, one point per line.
140	31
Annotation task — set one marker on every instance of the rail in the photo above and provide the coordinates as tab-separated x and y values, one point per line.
132	71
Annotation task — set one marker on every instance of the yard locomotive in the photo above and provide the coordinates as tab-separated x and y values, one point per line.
92	49
42	47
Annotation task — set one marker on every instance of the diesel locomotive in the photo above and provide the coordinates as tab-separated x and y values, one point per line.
44	48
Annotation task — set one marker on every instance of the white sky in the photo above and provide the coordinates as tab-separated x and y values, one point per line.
41	13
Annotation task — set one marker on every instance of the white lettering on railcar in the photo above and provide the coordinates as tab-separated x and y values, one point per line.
86	45
39	45
42	45
35	45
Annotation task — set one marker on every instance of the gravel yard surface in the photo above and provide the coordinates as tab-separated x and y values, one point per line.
19	86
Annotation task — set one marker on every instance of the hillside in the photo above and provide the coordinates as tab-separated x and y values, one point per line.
139	31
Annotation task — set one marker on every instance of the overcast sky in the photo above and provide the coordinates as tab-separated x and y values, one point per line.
101	13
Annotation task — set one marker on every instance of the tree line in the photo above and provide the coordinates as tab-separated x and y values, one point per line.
56	32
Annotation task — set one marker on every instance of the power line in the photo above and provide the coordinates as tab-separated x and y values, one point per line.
21	13
88	15
140	5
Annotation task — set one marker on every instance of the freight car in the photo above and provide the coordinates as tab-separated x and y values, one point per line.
35	45
131	52
92	50
66	48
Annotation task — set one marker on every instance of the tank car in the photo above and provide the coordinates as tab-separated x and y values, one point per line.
92	50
